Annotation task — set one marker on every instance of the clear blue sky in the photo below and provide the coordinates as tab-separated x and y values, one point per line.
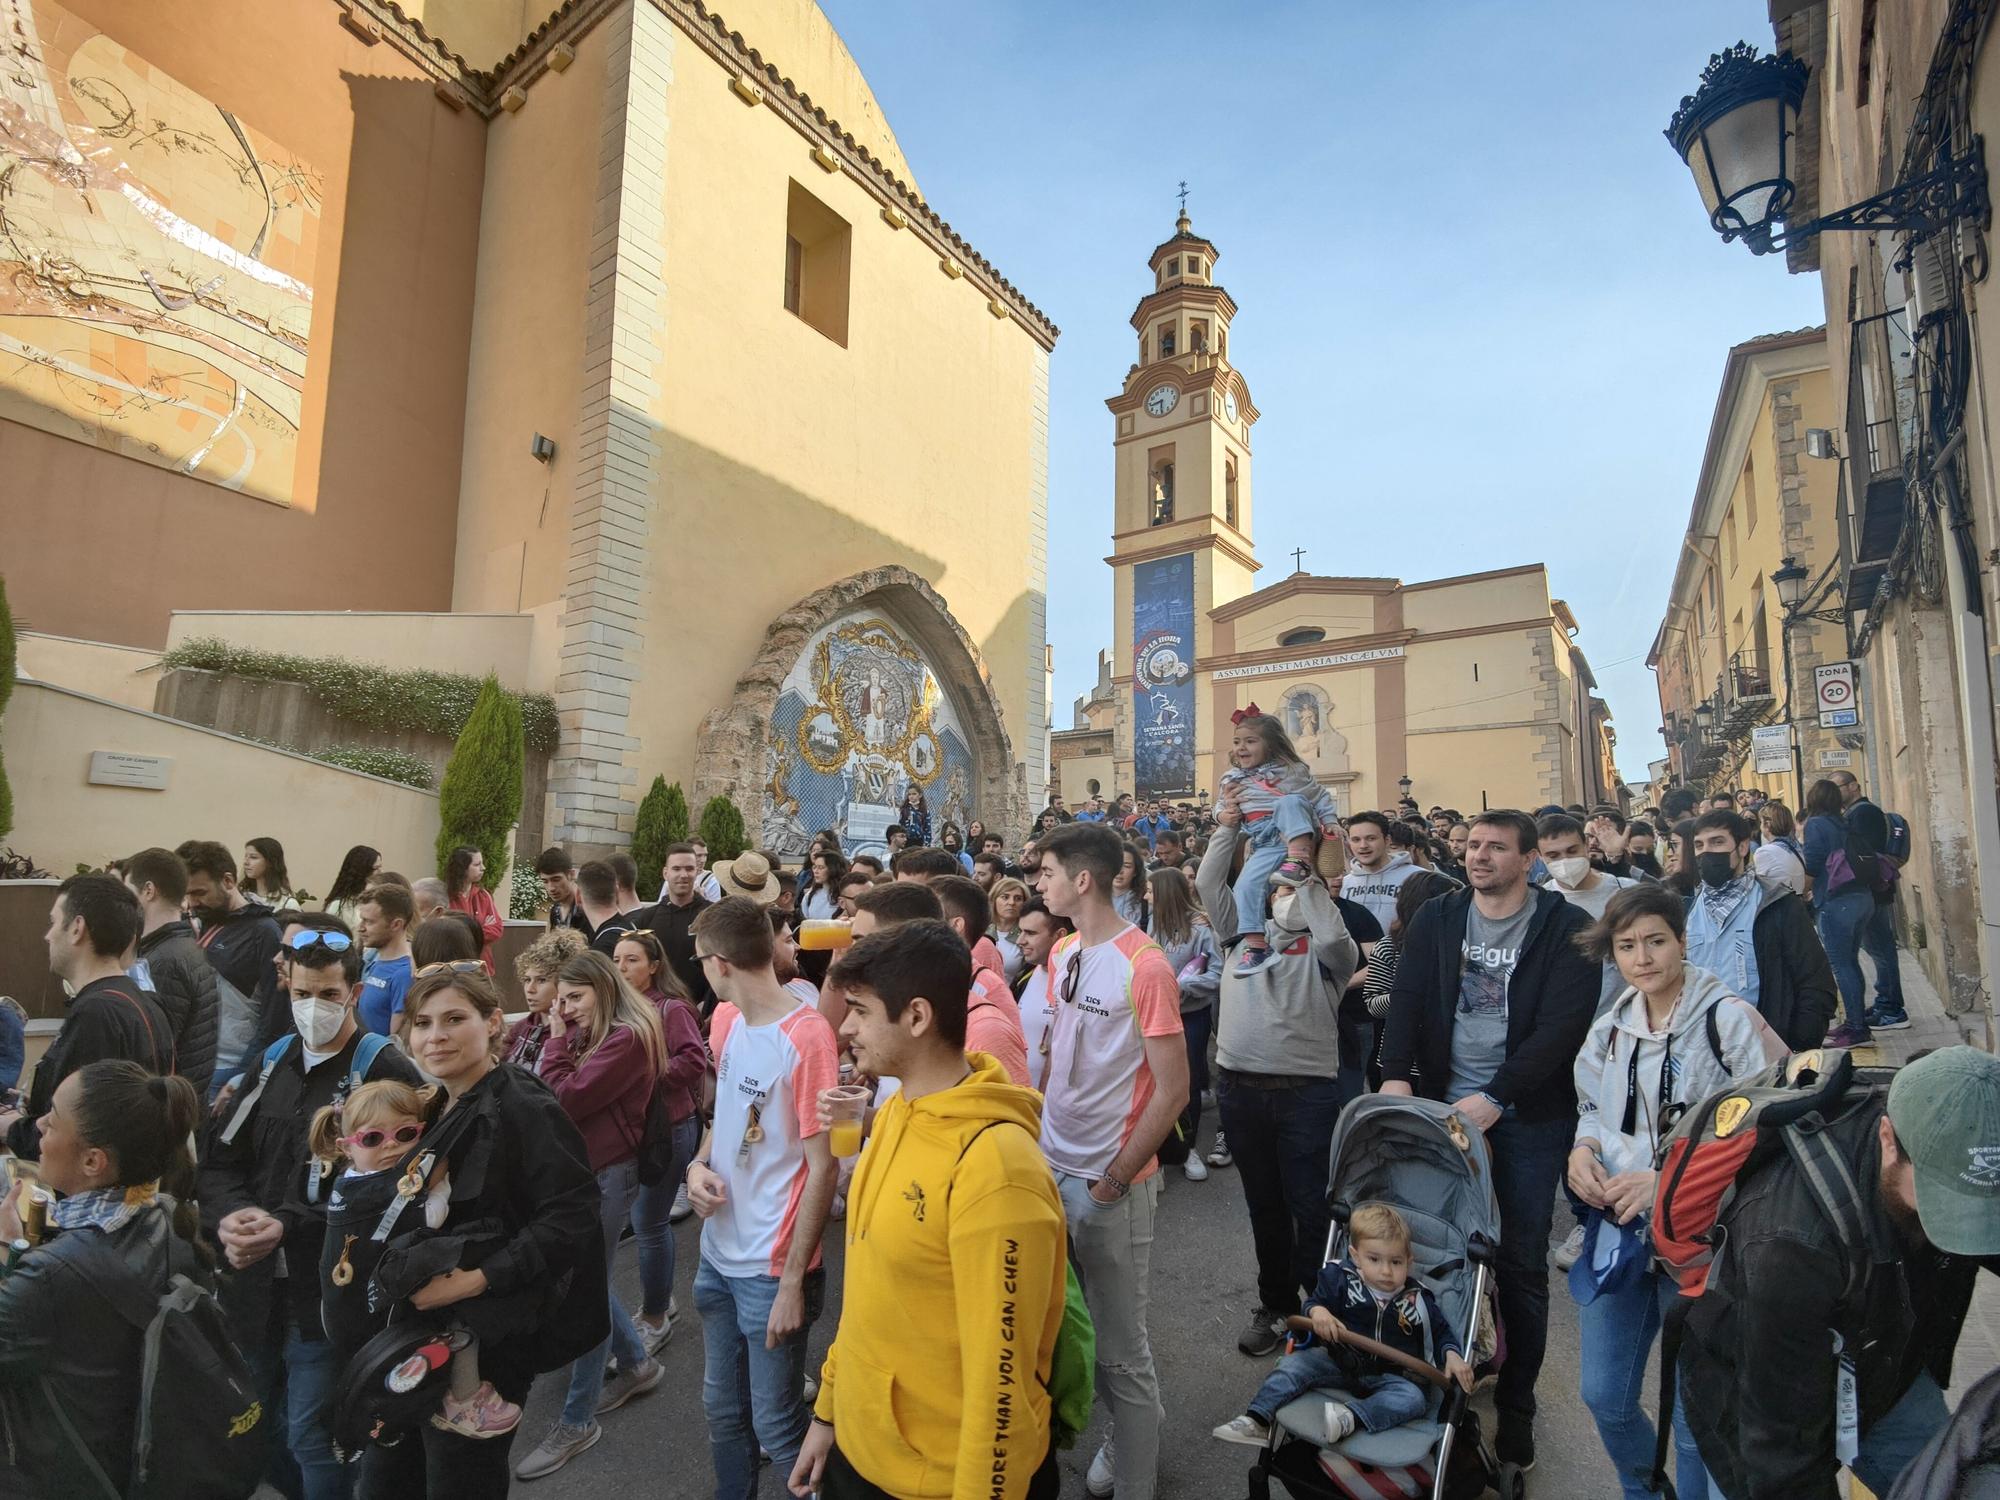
1482	313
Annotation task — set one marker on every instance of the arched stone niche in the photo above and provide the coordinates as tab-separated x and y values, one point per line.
860	690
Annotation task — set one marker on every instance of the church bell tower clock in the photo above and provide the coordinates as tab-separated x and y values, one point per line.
1181	536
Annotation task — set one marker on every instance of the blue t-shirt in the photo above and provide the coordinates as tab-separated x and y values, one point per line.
384	983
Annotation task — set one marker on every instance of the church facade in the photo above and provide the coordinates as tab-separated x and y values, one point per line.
630	321
1465	692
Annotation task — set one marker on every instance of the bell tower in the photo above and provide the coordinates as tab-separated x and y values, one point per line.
1181	533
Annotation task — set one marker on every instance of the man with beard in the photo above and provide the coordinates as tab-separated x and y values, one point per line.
239	936
1783	1402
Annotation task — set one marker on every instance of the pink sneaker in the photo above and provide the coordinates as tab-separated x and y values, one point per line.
1291	872
486	1415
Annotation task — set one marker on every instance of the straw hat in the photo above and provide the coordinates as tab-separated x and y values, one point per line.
747	875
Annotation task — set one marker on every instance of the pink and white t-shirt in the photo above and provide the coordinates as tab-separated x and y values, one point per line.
767	1085
1098	1082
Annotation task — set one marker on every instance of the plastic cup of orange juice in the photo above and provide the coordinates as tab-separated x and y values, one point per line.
822	934
847	1109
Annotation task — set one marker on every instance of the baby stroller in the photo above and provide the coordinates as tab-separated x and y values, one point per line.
1433	1168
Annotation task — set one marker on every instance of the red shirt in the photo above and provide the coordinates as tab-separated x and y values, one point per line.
477	902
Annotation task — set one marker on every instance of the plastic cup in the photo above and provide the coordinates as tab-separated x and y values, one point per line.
847	1109
823	934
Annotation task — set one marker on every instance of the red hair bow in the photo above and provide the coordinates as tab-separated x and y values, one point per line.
1248	711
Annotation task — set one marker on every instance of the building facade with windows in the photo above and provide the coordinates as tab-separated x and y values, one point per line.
1720	653
1473	688
623	319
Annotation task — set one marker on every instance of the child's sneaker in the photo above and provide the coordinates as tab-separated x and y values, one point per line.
1291	872
1250	960
486	1415
1339	1422
1246	1429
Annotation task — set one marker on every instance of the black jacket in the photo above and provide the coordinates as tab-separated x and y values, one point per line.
107	1018
57	1326
1795	988
673	925
264	1166
240	944
521	1162
184	986
1551	1001
1758	1344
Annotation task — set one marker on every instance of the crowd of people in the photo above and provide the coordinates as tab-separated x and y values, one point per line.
973	1060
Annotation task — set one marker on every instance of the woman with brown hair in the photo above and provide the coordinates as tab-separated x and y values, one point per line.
606	1057
464	874
512	1156
536	968
1181	929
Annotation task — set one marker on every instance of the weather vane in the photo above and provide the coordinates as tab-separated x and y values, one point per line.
1184	192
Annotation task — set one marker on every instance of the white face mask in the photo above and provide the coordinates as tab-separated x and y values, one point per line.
1569	873
318	1021
1285	912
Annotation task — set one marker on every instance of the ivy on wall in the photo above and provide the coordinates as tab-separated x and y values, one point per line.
374	697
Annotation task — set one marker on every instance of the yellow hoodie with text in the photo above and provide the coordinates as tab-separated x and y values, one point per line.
937	1381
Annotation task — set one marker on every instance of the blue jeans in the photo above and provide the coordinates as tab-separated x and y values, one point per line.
311	1368
1842	920
1264	851
1195	1027
1900	1434
751	1395
652	1227
1618	1330
617	1186
1281	1138
1878	941
1379	1401
1527	1164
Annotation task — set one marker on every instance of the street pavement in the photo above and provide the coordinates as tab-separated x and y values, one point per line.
1203	1287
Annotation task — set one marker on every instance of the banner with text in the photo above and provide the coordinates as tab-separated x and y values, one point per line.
1163	677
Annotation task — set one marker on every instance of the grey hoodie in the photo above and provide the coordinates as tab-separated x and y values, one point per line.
1283	1019
1604	1067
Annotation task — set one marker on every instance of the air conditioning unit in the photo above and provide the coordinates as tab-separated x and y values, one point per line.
1932	278
1819	443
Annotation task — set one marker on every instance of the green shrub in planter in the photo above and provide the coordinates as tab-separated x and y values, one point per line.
722	829
663	820
480	800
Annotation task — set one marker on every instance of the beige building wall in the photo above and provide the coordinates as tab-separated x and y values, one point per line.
218	787
124	675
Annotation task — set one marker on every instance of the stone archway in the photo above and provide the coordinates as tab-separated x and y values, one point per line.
738	746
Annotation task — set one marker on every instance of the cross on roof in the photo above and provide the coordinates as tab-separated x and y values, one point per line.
1184	193
1298	559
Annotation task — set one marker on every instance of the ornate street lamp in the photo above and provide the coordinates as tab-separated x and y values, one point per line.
1790	582
1404	784
1736	132
1704	717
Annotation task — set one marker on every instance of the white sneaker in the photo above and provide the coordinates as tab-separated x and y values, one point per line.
1245	1429
1196	1169
651	1334
1102	1478
1339	1422
1570	1251
682	1208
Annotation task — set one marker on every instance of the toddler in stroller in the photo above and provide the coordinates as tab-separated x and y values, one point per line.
1412	1164
366	1267
1372	1289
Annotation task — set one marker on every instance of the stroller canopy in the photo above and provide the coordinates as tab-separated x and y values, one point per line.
1424	1158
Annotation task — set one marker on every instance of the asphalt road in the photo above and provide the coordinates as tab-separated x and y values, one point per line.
1203	1290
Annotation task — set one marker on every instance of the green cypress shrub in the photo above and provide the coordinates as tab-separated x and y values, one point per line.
663	820
722	829
480	799
6	692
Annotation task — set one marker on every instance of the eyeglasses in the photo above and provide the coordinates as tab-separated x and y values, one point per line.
368	1140
702	958
313	937
456	966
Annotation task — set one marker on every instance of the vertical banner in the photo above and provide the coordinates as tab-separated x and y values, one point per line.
1163	677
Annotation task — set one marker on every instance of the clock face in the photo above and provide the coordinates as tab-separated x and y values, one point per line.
1162	399
1229	405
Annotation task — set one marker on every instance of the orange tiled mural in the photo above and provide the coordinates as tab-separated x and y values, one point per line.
156	261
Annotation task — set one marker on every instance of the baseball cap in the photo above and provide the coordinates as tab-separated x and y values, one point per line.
1945	1109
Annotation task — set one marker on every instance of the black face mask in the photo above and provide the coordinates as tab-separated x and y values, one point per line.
1715	870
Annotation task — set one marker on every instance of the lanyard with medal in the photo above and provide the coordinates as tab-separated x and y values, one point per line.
753	1132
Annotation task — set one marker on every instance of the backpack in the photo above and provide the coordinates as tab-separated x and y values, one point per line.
1778	1111
198	1432
656	1140
365	1052
1898	847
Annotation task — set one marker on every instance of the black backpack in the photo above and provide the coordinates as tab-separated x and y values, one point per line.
198	1433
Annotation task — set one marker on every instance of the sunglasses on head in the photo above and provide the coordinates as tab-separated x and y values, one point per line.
457	966
313	937
368	1140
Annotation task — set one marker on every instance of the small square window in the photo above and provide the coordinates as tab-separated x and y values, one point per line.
818	245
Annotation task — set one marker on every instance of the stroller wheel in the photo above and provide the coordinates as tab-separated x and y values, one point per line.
1510	1483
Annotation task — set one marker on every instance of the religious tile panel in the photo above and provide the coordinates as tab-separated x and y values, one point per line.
860	720
156	261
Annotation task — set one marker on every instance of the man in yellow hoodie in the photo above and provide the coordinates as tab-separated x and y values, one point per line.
936	1387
